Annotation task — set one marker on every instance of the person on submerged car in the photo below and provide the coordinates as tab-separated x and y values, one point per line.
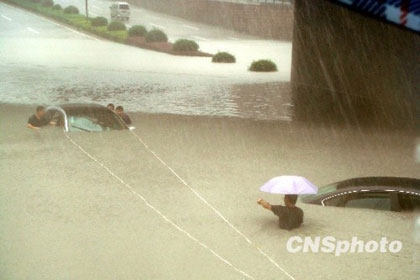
290	216
120	112
37	120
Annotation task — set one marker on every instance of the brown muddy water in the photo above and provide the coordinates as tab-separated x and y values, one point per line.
63	216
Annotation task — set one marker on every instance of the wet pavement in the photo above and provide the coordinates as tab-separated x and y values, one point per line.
64	216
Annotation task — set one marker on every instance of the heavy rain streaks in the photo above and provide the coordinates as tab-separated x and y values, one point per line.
176	193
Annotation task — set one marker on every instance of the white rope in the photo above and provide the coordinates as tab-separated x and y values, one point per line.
213	208
157	211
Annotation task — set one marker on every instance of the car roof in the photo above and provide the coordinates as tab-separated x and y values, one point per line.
72	106
401	182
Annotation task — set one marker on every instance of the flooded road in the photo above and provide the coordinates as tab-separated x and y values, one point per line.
105	207
64	216
70	67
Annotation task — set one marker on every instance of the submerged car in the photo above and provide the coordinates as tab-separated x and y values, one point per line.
85	117
379	193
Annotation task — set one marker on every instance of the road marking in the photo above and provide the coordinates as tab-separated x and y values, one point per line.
158	26
53	22
217	212
191	27
32	30
7	18
157	211
69	29
200	38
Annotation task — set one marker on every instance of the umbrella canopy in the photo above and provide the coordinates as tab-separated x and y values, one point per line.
289	185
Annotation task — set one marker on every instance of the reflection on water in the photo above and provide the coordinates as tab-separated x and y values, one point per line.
148	92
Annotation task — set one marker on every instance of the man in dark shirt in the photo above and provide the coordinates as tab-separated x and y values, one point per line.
290	216
120	112
111	107
38	120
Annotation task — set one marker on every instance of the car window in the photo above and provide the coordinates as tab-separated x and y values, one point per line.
53	115
93	120
84	123
124	7
409	202
369	200
334	201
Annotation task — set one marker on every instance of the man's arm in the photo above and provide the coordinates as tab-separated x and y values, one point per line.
264	204
29	125
128	120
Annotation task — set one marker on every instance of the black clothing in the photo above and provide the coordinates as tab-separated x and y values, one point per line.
34	121
125	118
289	217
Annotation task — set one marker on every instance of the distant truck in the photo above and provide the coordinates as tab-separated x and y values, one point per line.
120	10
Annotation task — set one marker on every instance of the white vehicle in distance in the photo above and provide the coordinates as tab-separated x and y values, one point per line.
120	10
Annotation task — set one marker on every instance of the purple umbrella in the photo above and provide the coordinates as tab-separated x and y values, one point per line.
289	185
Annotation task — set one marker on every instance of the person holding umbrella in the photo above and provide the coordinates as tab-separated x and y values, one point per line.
290	216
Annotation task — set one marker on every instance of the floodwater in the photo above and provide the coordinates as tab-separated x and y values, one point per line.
64	216
57	66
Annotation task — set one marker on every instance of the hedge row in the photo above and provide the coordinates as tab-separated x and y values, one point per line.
70	15
99	21
263	65
116	31
156	35
137	31
185	45
223	57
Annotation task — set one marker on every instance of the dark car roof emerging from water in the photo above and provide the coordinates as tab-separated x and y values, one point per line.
398	182
82	106
92	109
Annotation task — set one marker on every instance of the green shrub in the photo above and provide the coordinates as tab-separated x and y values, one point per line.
185	45
57	7
116	26
71	10
99	21
137	31
47	3
156	35
35	1
223	57
263	65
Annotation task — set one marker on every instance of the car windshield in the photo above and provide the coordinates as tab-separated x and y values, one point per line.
93	120
124	7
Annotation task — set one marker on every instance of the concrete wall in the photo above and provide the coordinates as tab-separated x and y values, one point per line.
352	68
266	20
